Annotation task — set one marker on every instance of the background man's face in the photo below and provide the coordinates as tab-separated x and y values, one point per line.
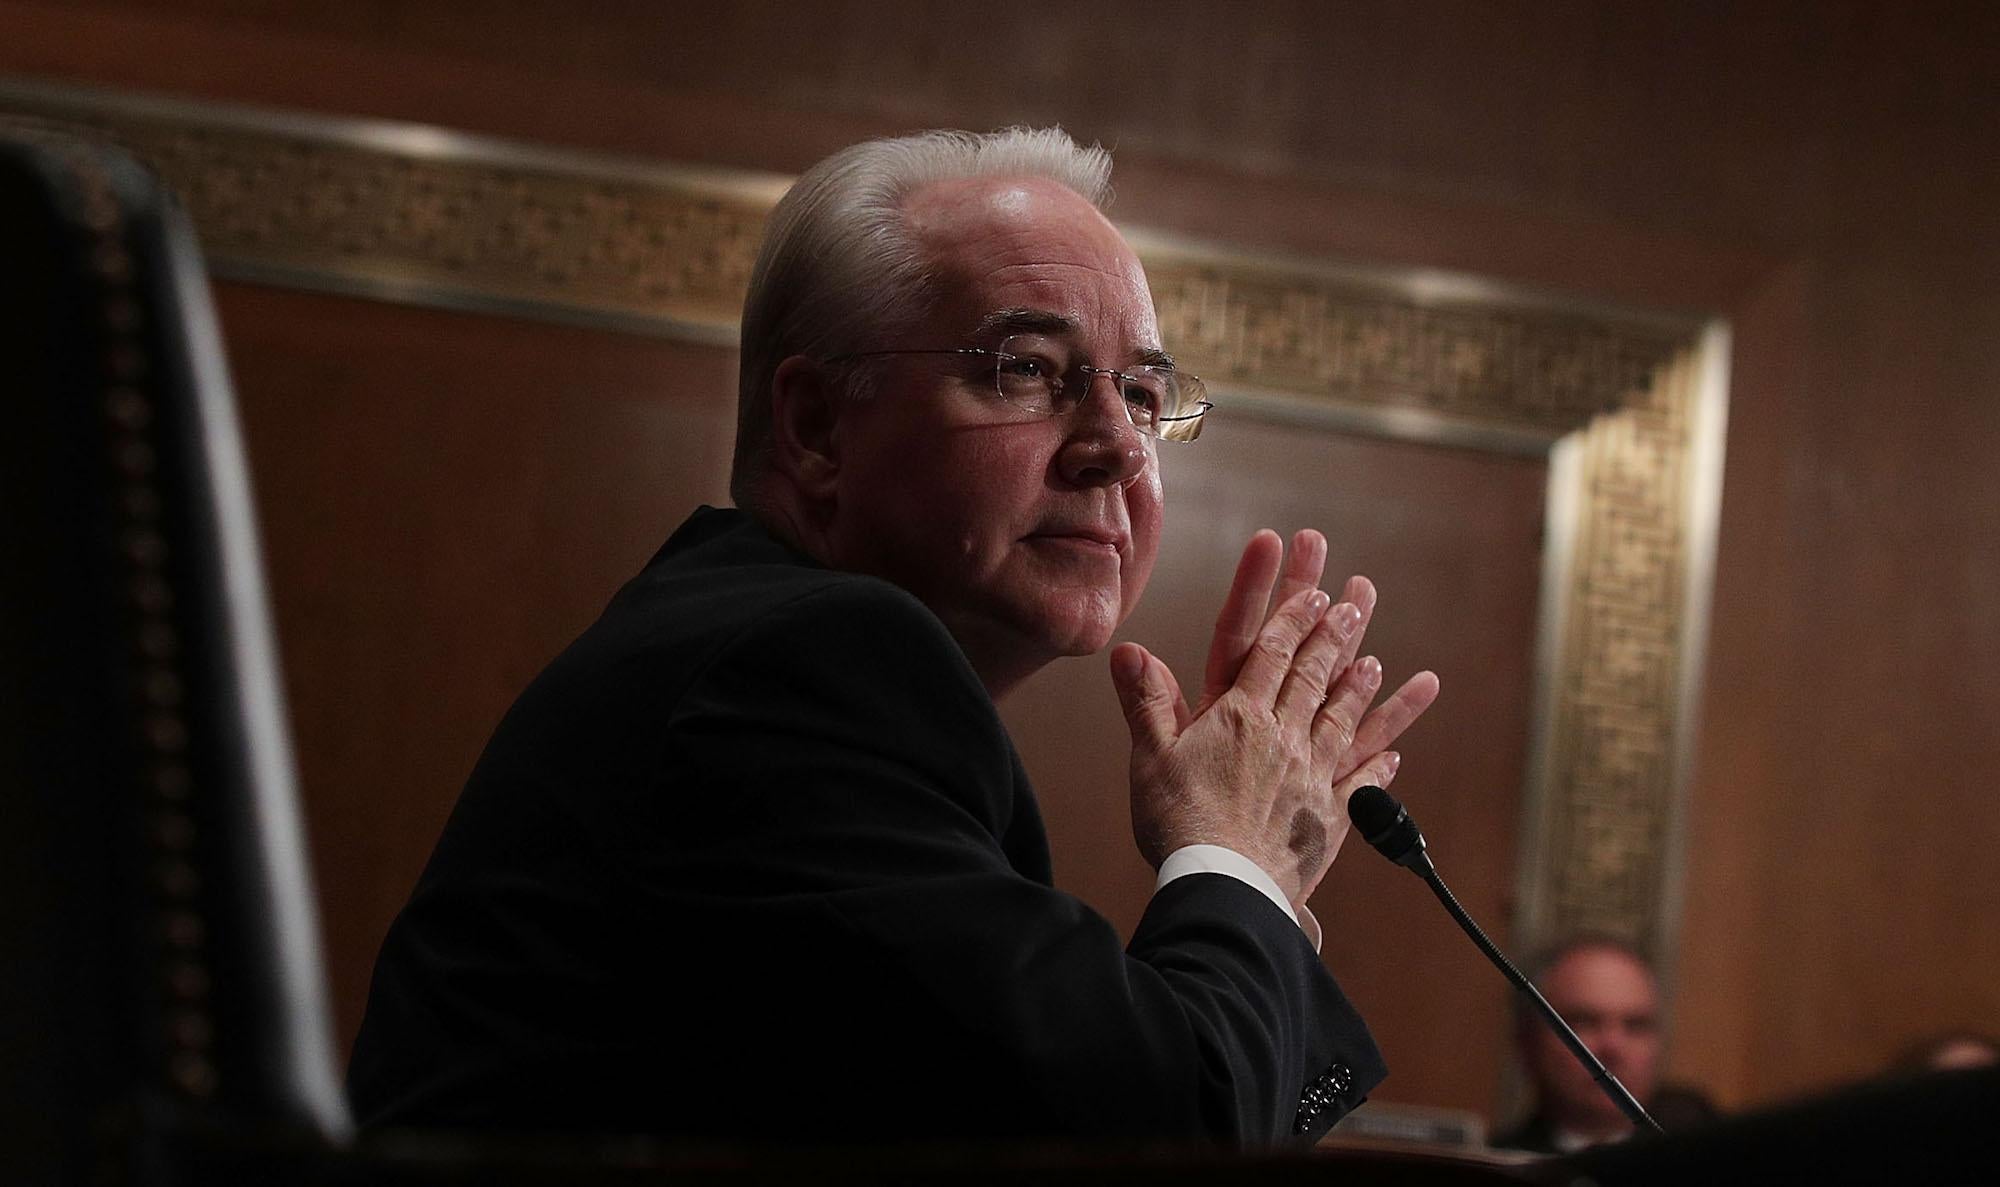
1031	538
1611	1002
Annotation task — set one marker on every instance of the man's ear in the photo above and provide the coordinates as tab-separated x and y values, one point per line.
804	407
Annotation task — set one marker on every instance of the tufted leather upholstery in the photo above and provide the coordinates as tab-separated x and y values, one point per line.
162	949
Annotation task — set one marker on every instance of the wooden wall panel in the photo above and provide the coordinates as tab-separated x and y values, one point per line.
446	500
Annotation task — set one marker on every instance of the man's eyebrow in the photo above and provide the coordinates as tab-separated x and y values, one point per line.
1026	321
1002	322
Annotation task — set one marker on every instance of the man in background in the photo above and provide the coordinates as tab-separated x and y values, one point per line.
755	861
1608	994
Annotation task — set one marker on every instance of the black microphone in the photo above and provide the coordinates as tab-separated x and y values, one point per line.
1386	825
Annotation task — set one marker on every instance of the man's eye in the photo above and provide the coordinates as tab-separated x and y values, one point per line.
1146	397
1027	366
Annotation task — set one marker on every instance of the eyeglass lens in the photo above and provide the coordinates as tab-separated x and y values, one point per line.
1040	374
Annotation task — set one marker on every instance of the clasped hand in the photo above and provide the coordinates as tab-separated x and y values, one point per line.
1283	733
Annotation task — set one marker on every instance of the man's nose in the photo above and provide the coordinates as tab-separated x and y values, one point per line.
1612	1047
1103	447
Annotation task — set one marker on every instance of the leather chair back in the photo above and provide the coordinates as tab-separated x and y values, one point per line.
162	952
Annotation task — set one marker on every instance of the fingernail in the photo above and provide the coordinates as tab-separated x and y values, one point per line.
1316	601
1349	616
1371	668
1395	760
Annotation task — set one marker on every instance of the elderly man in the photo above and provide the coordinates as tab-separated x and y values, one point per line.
754	860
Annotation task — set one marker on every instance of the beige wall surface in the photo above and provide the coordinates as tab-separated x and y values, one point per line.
1825	176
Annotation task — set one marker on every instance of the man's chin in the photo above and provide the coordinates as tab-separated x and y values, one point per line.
1086	647
1041	643
1083	633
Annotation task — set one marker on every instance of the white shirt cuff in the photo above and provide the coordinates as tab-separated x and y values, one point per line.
1217	859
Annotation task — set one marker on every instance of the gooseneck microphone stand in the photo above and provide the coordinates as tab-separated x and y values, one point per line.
1386	826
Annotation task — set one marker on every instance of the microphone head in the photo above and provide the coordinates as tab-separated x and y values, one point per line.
1384	824
1374	812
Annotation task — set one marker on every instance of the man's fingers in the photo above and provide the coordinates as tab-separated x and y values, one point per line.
1319	662
1305	564
1360	591
1380	729
1271	656
1148	694
1339	720
1378	771
1183	716
1243	612
1252	602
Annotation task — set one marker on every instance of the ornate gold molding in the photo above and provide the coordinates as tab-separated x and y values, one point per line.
1624	597
426	215
442	218
1346	336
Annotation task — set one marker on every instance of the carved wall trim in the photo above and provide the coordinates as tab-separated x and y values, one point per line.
442	218
1630	546
1470	352
446	218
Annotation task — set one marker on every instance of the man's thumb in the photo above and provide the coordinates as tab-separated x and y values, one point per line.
1147	698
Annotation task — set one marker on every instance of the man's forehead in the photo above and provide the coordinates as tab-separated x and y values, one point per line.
958	205
988	222
1598	972
1031	255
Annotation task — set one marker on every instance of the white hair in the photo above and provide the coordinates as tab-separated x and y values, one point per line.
840	269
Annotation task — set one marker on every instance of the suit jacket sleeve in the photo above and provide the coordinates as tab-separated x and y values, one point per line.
848	756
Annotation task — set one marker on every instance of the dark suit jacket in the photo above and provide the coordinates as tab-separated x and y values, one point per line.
754	860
